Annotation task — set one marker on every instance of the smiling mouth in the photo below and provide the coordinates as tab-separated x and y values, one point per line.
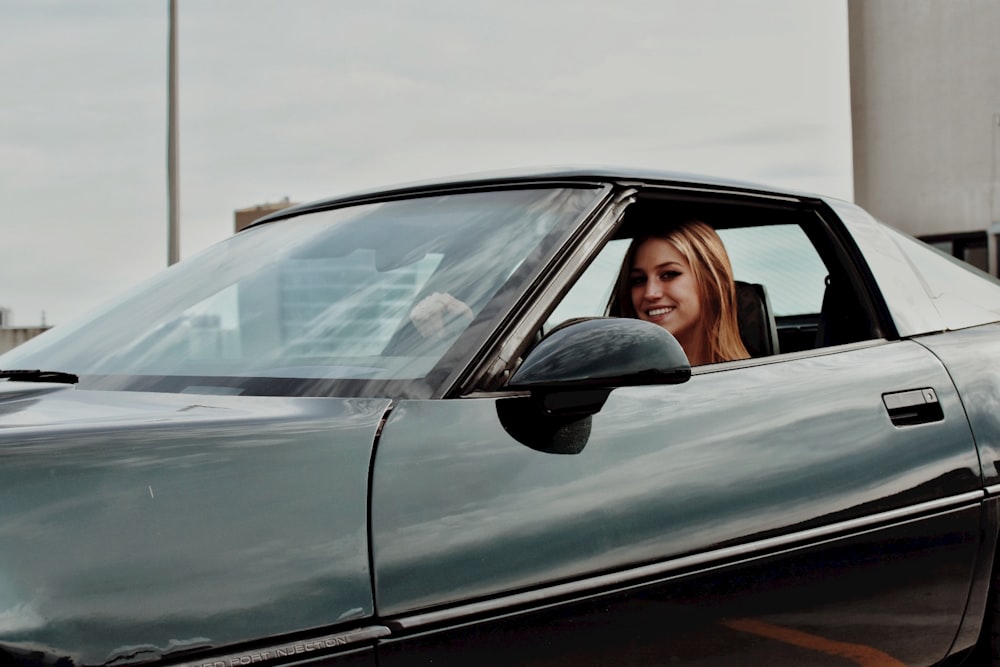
656	312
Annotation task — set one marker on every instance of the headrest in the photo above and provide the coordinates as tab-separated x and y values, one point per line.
757	327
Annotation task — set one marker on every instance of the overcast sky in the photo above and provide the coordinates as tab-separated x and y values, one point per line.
312	98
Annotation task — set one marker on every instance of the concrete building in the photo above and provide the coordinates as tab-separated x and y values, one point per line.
925	106
925	109
245	216
11	336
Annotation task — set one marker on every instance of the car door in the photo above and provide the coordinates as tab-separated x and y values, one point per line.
792	509
772	499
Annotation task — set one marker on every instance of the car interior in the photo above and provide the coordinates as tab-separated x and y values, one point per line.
796	289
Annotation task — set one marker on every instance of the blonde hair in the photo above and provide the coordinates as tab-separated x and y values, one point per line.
702	248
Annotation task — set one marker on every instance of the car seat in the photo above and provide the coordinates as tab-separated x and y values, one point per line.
756	319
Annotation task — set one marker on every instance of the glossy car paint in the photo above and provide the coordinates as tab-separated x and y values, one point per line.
832	604
673	473
963	352
136	524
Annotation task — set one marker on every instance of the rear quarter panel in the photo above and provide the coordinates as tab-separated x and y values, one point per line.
972	357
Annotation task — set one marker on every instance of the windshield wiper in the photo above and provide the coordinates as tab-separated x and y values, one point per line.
39	376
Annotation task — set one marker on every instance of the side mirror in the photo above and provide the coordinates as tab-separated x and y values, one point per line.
574	368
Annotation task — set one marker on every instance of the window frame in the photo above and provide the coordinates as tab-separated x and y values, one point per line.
829	237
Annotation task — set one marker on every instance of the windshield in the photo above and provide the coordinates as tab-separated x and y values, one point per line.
323	296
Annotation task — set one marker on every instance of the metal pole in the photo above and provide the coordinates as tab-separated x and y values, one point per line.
993	232
173	190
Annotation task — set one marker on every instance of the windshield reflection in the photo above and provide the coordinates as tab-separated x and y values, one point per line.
325	295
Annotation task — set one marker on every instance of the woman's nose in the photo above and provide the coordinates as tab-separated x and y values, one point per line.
653	289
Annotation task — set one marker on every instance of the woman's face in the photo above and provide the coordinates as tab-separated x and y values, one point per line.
664	291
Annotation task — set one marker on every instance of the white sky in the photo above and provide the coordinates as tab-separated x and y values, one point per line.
313	98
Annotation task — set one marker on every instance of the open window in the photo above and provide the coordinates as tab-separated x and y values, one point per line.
796	287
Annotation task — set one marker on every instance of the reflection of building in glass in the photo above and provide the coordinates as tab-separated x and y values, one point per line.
344	305
205	337
334	305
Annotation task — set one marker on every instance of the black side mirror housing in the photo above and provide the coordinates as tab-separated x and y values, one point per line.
573	369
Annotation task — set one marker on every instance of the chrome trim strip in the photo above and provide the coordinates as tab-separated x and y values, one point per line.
626	577
312	647
993	490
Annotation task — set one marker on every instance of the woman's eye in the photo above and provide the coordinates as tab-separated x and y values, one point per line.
669	275
637	280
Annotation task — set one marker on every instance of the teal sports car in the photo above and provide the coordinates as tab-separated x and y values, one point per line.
268	455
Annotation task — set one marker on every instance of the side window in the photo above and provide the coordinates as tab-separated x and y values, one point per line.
791	295
589	295
793	278
781	258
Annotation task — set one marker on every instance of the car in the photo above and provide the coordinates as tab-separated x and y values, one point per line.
259	458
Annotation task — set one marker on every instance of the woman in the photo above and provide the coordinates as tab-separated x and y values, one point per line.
681	279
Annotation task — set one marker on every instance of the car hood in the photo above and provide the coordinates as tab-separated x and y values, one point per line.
137	525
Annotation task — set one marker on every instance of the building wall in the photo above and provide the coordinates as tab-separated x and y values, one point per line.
244	216
14	336
925	104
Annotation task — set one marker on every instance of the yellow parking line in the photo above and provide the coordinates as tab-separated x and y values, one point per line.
866	656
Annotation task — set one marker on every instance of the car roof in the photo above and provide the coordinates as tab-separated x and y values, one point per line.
564	175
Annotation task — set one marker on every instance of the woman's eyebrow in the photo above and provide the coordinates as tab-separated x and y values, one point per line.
661	266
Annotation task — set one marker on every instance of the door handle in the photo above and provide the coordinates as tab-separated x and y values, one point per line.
913	406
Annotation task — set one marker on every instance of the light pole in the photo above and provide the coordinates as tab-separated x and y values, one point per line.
173	190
